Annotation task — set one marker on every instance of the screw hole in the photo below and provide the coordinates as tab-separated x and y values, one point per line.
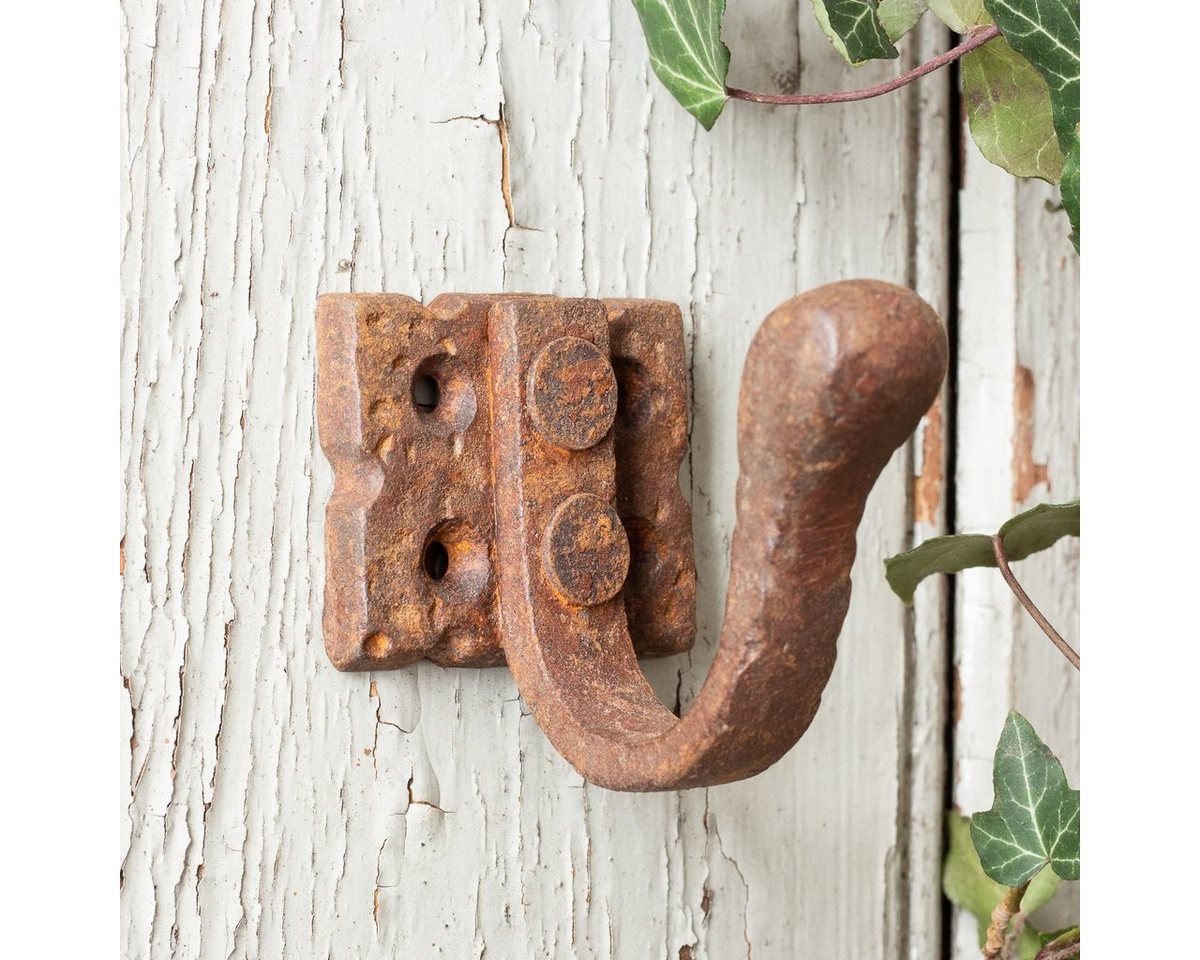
436	560
455	561
443	396
425	392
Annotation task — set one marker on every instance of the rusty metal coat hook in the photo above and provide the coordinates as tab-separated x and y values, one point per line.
834	382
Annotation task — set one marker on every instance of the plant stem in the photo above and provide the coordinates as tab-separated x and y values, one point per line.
1059	949
974	39
1006	572
1013	936
993	947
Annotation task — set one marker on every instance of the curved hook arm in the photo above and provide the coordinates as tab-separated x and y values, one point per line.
835	380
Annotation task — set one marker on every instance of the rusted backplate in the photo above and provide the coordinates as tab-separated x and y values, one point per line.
405	418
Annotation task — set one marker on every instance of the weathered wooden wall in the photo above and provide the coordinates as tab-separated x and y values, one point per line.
1017	445
277	808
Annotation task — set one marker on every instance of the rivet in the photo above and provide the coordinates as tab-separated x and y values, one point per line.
585	553
572	393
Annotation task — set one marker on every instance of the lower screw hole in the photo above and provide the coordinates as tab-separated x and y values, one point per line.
436	560
425	392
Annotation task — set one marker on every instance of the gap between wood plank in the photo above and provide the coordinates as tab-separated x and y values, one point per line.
955	146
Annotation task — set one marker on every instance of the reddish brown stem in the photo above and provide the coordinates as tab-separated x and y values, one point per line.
1013	584
1006	909
975	39
1063	952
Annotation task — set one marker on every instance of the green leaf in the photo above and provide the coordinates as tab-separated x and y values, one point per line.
686	52
960	15
966	885
822	16
1029	532
1070	190
1039	529
1060	938
1046	33
1034	820
937	555
853	27
1008	109
897	17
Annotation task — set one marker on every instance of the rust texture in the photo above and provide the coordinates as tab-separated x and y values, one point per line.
513	489
1027	474
833	383
651	440
930	483
391	458
404	417
585	552
572	393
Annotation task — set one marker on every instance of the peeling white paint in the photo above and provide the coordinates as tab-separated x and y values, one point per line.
277	808
1019	305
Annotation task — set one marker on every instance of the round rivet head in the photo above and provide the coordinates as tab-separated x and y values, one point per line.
572	393
585	553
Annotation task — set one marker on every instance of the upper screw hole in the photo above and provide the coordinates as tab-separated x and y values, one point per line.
425	392
436	560
443	396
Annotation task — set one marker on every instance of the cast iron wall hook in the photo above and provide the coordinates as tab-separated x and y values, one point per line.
556	520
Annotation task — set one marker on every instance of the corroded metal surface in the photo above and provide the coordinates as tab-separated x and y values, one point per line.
650	440
834	382
404	418
585	553
572	393
391	499
533	477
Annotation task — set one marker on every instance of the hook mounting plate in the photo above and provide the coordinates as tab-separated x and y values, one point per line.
405	418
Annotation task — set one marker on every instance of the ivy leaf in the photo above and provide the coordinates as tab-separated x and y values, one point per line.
1070	190
1046	33
1039	528
686	52
1034	820
960	15
853	27
967	886
1059	939
1008	109
897	17
822	16
1026	533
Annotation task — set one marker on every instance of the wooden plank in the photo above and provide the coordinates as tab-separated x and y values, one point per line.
278	808
927	696
1017	445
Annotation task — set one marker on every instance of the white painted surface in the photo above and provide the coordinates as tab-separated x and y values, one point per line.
277	808
1019	308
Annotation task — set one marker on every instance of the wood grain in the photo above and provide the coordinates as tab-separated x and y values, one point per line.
277	808
1017	445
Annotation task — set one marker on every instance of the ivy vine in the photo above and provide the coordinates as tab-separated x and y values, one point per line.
1020	88
1020	70
1018	849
